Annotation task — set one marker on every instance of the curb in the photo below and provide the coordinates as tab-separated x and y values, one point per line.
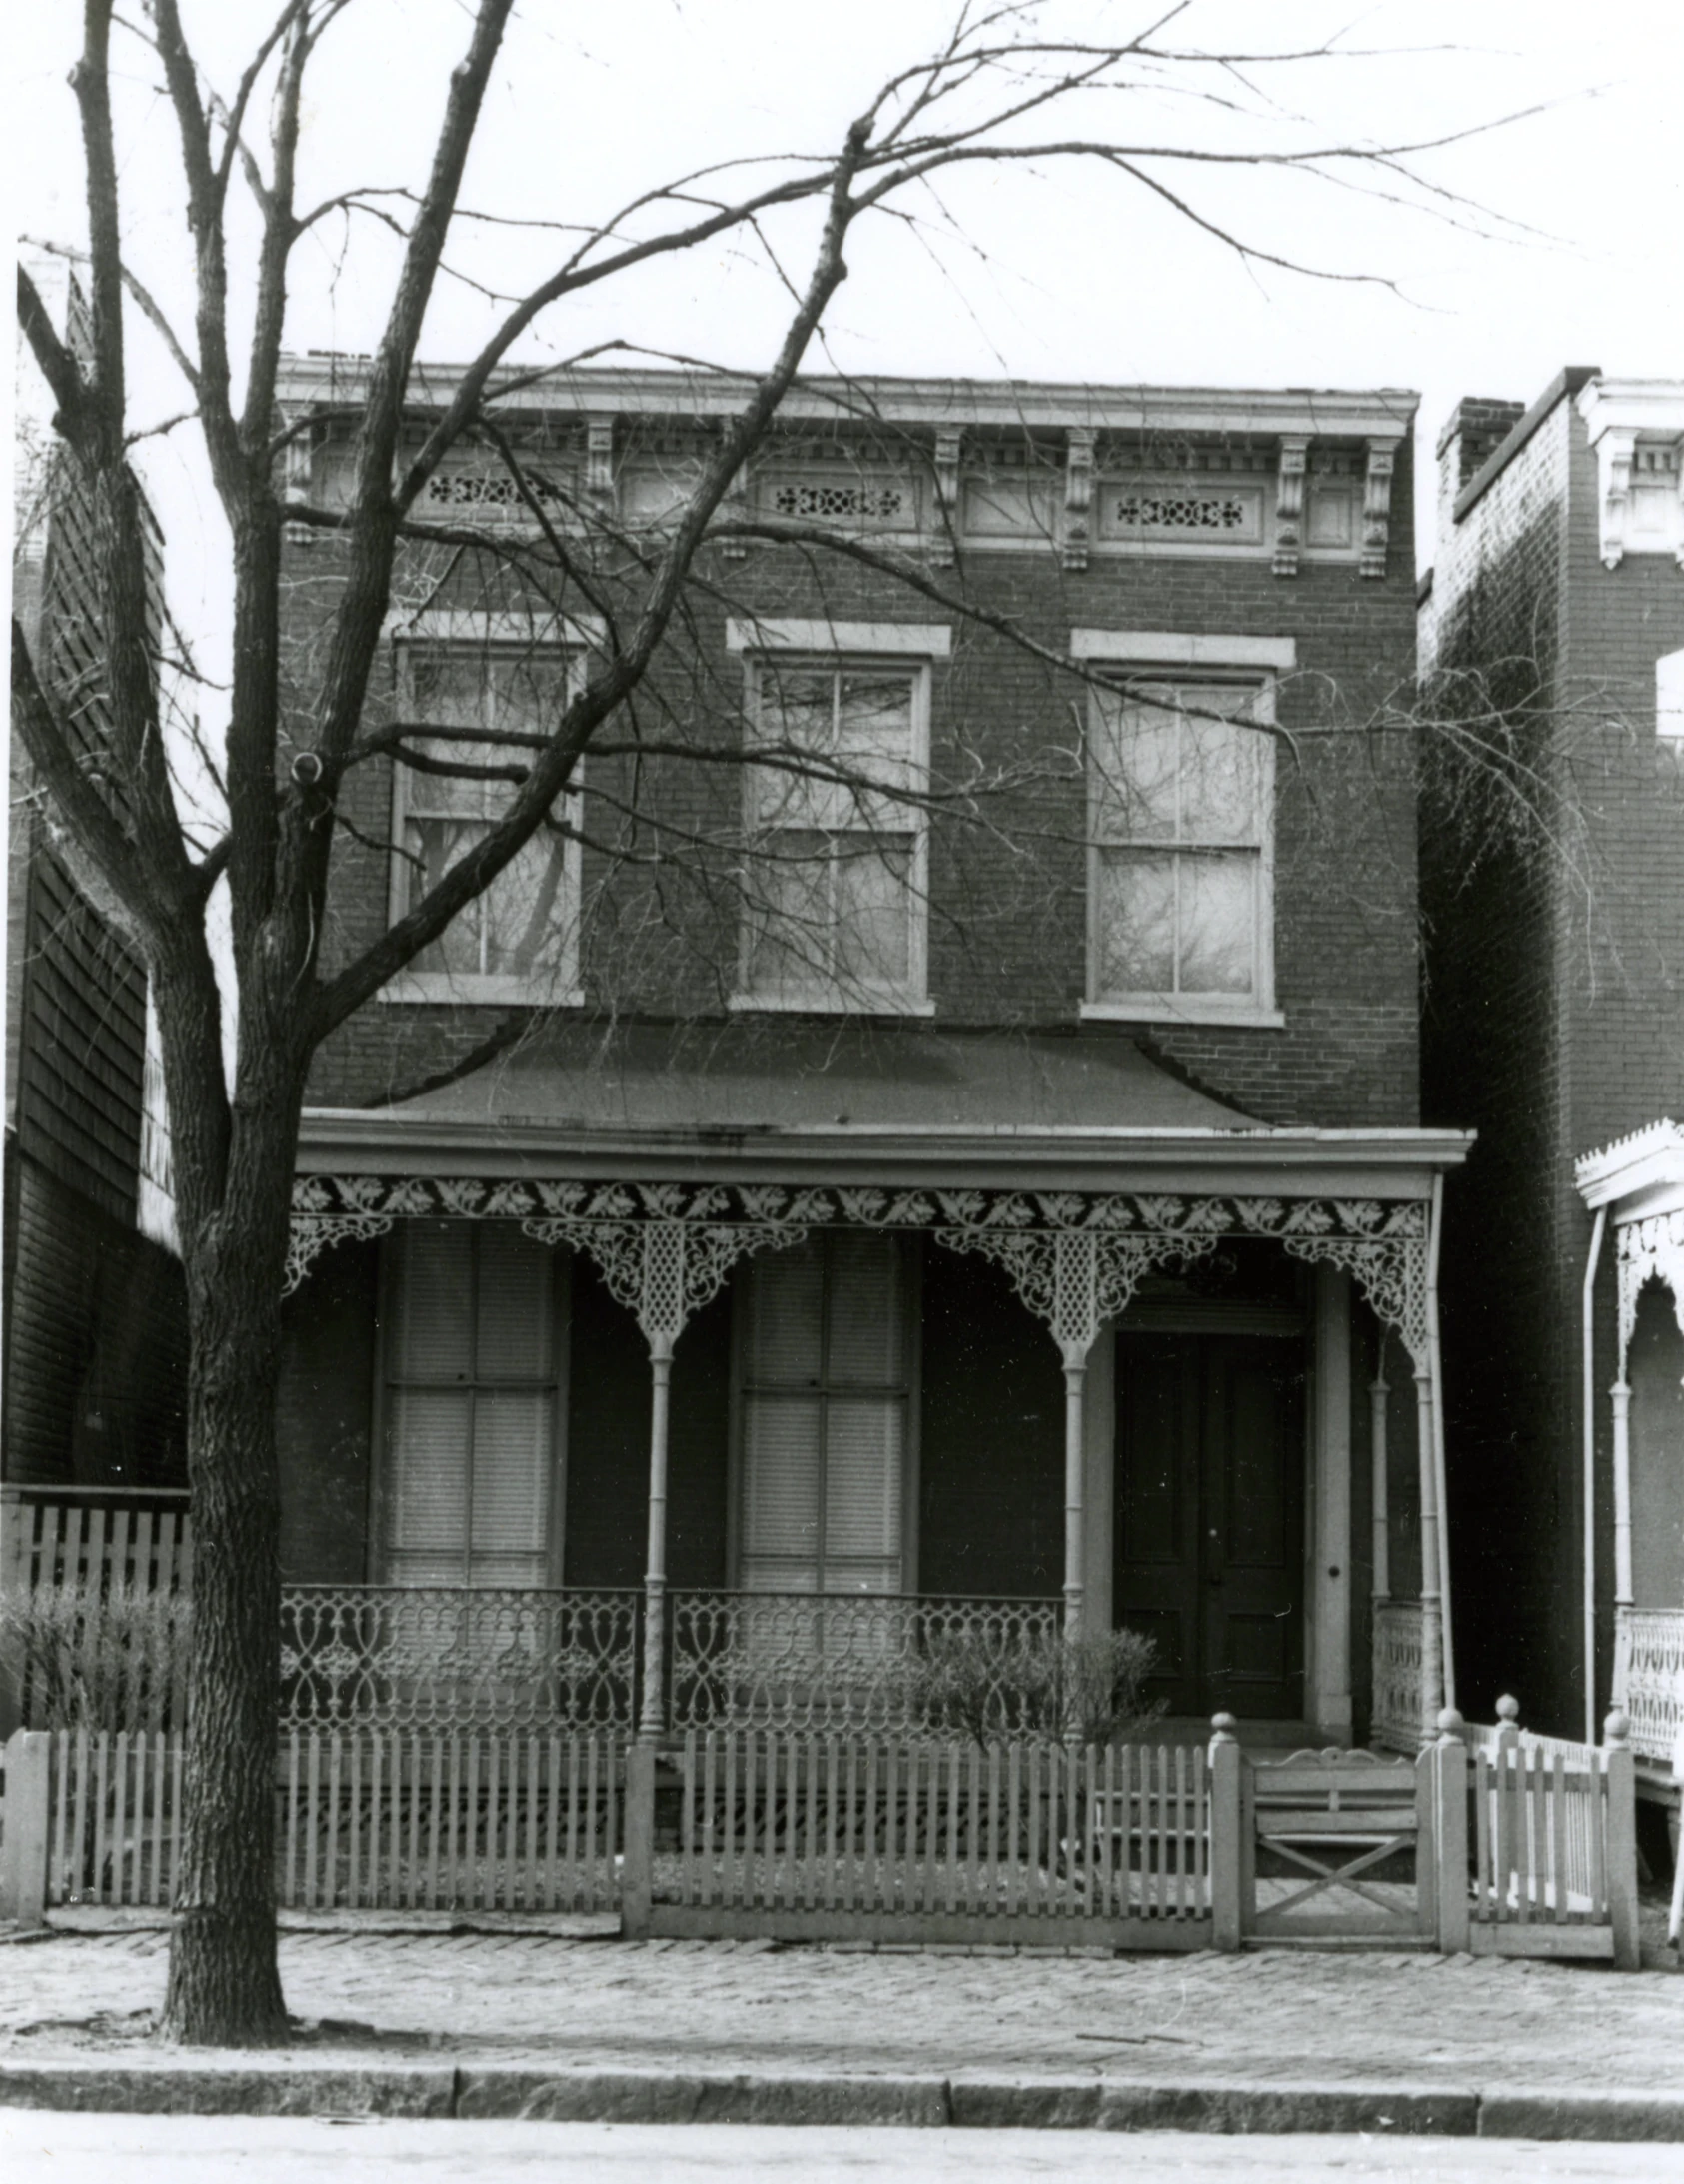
511	2092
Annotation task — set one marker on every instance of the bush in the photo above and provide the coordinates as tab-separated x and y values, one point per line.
87	1660
1041	1686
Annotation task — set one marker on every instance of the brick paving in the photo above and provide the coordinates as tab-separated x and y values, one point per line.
593	2000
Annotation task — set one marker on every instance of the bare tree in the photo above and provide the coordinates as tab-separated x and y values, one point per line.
1004	88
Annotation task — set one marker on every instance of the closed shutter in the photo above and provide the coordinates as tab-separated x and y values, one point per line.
824	1417
471	1409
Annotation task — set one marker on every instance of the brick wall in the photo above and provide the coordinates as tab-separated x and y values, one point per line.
1008	917
1554	1022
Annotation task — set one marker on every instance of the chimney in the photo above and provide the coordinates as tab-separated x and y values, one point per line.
1475	430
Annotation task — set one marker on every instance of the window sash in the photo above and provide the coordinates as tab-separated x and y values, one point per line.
1182	844
523	930
837	870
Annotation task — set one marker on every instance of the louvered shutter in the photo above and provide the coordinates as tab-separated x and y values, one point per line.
472	1408
825	1418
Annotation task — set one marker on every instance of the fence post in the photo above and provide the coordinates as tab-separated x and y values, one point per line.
1449	1758
1622	1842
1227	1851
636	1872
23	1851
17	1540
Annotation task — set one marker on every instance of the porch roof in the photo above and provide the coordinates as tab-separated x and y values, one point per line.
798	1099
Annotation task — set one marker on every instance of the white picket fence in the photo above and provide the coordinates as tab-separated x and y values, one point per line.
811	1836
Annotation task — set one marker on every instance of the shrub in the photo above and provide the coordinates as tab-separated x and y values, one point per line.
87	1660
1039	1685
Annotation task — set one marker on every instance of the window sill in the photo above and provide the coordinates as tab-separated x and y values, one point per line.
830	1005
1170	1010
472	988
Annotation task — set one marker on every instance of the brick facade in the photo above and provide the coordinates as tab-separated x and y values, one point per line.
1554	1015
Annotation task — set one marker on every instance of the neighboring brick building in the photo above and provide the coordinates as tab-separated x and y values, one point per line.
798	1100
95	1311
1554	1021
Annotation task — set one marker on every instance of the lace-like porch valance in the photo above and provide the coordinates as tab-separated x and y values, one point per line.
1075	1258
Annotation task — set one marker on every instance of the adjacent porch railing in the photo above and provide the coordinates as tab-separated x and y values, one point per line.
849	1661
1649	1678
1399	1696
441	1657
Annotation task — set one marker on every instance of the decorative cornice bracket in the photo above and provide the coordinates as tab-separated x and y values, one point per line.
1376	506
1079	493
1289	503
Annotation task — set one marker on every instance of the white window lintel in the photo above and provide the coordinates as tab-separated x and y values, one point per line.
1184	648
910	639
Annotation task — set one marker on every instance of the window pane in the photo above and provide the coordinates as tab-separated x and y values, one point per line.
1136	922
1218	922
1135	757
434	844
874	910
527	692
797	706
526	912
447	796
1219	776
447	686
790	921
875	714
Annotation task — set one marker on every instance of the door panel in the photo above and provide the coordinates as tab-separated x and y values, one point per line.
1209	1517
1158	1467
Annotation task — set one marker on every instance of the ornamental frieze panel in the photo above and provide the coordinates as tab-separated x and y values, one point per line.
1075	1257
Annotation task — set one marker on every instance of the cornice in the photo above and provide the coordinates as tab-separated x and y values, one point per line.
1378	413
1636	1176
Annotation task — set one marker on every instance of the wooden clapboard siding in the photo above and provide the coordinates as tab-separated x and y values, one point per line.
97	1344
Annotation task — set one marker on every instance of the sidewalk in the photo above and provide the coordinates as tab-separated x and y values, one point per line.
570	2020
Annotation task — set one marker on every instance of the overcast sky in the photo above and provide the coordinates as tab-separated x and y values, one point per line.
1061	273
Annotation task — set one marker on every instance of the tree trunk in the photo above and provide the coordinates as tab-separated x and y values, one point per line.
223	1984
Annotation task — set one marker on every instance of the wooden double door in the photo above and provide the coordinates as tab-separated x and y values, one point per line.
1209	1517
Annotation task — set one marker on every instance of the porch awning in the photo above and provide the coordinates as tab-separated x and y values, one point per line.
798	1100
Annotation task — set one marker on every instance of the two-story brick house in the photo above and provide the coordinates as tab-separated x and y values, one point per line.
936	1118
1554	619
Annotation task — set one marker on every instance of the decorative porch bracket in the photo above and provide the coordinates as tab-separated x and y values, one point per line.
663	1268
1651	1249
1075	1259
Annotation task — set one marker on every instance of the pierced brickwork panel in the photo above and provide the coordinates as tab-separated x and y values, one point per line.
891	506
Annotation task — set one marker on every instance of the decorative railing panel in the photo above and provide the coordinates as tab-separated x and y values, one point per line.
1649	1678
850	1661
1398	1695
436	1657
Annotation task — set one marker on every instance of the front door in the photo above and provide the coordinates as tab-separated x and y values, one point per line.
1210	1518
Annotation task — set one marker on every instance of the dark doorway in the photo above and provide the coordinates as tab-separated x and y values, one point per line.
1209	1517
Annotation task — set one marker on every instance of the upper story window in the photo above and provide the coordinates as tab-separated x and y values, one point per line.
462	683
837	876
1181	832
